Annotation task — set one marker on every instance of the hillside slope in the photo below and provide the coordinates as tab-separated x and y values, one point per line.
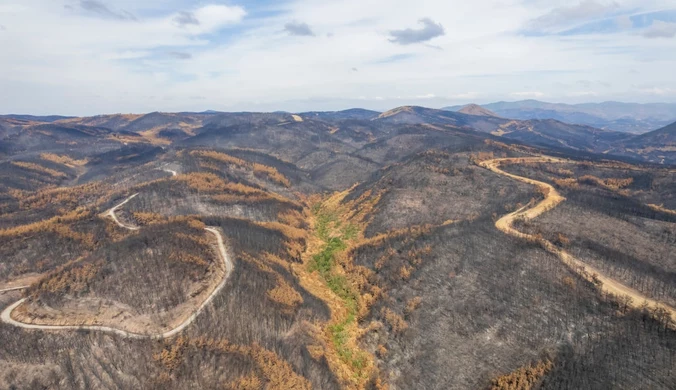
624	117
657	146
365	251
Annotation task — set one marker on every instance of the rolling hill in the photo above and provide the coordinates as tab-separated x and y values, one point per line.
623	117
657	146
547	133
475	109
414	248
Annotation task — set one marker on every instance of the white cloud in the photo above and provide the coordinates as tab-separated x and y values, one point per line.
299	29
660	29
101	9
59	61
571	14
212	17
429	30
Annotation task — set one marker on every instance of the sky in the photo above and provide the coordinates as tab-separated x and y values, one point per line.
86	57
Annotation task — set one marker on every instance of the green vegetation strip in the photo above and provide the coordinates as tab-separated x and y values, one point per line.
334	236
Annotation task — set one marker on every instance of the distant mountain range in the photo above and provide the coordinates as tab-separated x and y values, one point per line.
25	133
47	118
658	146
624	117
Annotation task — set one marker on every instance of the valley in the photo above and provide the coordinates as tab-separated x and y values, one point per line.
415	248
337	195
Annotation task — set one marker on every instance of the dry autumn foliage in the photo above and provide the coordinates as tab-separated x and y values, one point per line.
416	255
55	225
226	192
405	272
610	183
259	170
250	382
204	182
569	183
218	156
63	159
66	197
283	293
270	173
411	305
276	372
39	169
71	278
146	218
525	378
171	356
292	218
394	320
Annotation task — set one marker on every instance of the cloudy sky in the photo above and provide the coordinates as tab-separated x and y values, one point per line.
82	57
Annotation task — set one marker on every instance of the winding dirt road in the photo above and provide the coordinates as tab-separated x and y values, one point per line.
173	173
111	213
551	200
6	315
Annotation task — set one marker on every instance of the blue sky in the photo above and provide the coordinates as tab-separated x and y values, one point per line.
82	57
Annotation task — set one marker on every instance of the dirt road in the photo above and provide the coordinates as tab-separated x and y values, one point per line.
173	173
551	200
111	213
6	315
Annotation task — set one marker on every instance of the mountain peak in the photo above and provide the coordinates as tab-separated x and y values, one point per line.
398	110
477	110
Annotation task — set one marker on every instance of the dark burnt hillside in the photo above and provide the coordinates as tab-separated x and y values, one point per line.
363	248
657	146
436	187
86	269
652	147
461	303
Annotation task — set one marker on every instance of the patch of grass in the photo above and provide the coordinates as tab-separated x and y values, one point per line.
350	231
340	337
325	221
324	260
334	236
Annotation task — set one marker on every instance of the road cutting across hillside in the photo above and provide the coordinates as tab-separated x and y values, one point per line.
173	173
6	315
111	213
552	199
13	289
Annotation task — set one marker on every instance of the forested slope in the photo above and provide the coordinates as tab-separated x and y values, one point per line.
364	253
